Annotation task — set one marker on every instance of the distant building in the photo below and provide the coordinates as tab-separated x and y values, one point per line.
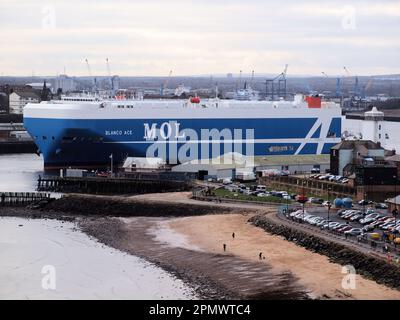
65	83
374	125
4	104
353	152
38	85
394	160
18	100
143	164
393	203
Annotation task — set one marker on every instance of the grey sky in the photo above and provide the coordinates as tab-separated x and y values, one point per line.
199	37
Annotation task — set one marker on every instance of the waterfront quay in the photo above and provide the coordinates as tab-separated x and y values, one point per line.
104	185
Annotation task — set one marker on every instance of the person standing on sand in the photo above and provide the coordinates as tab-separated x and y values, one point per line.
260	256
224	247
233	235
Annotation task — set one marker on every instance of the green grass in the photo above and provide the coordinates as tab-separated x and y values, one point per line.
231	195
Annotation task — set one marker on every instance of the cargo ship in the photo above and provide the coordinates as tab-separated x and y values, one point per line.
87	132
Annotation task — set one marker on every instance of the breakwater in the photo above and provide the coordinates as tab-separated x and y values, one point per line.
13	199
130	207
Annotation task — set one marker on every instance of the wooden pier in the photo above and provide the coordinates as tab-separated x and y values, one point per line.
11	199
101	185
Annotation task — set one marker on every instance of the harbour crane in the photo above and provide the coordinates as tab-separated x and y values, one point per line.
281	81
91	76
252	78
356	87
239	81
338	85
366	87
110	78
165	83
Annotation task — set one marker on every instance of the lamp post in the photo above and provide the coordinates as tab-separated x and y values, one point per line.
329	206
111	165
394	212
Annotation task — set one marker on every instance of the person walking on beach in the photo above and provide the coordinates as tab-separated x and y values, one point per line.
260	255
224	246
233	235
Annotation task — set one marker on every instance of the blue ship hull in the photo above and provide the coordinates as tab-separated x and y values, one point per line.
88	143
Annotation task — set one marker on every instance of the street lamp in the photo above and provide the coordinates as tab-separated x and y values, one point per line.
329	206
394	212
111	166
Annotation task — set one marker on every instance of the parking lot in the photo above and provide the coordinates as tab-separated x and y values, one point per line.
363	224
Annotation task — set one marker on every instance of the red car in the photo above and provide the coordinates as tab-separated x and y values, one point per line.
341	230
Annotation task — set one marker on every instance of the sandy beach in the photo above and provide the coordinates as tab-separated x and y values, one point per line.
322	278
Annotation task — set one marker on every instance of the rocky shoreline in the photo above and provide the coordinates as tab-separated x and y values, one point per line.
368	266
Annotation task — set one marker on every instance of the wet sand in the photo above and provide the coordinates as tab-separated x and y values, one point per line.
321	278
214	275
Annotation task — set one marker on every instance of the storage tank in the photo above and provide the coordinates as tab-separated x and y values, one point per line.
347	203
338	203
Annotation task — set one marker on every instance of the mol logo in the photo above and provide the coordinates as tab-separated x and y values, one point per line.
178	145
167	130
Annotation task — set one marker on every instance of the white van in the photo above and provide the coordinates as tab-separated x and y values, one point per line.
261	188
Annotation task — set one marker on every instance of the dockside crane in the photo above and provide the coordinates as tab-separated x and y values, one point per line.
356	86
280	79
110	78
239	81
366	87
252	78
338	92
165	83
94	80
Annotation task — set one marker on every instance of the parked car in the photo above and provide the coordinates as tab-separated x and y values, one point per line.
354	232
368	228
331	225
344	228
317	200
381	206
261	188
356	217
370	218
364	202
321	223
315	170
326	203
263	194
339	226
348	215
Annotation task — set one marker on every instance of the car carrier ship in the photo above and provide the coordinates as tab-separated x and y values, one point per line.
85	132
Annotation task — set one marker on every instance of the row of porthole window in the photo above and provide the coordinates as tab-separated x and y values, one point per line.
74	139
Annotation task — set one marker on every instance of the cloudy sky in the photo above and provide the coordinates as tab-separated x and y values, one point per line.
199	37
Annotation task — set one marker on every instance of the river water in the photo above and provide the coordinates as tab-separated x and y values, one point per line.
49	259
